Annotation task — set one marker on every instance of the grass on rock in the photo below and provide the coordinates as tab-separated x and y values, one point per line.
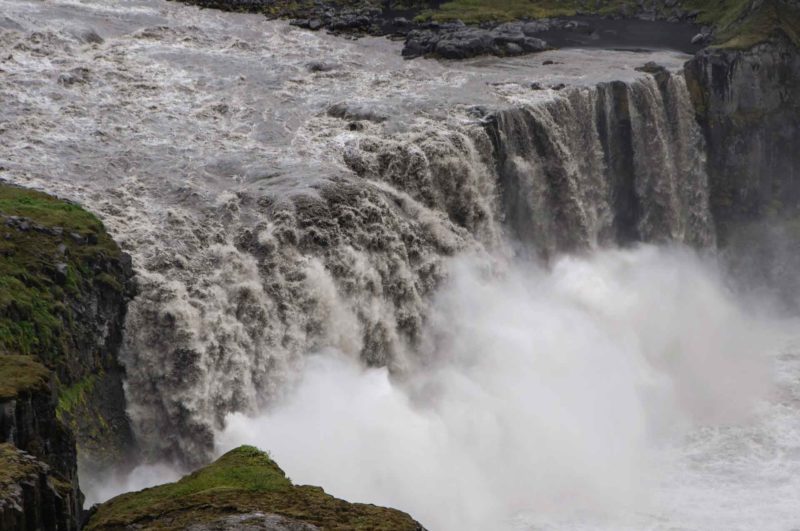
21	373
42	262
243	481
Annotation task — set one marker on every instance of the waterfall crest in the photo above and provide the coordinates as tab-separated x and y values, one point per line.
617	163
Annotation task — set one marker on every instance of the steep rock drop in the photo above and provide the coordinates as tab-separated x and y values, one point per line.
65	285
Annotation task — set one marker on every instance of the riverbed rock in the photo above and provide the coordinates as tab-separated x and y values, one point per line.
456	41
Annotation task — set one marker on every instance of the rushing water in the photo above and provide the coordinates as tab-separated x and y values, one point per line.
301	207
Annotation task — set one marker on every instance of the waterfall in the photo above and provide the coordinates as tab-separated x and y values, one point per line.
351	263
620	162
264	228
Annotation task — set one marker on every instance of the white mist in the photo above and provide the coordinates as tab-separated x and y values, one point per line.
540	397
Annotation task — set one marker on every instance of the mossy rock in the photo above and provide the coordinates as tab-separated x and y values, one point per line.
50	252
19	374
742	24
243	481
16	467
64	284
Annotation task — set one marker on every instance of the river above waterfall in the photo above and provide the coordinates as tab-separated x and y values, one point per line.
357	262
236	101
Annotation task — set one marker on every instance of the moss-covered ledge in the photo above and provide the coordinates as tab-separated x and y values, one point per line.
19	374
50	251
242	484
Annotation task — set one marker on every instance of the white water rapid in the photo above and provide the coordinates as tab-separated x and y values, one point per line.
416	283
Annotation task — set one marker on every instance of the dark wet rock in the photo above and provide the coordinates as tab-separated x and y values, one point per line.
656	70
747	104
76	76
32	496
357	111
89	36
321	66
456	41
38	459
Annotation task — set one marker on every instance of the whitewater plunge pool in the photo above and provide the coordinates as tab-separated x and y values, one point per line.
283	243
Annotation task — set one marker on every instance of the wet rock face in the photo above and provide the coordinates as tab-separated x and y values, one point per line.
38	460
31	497
747	104
81	283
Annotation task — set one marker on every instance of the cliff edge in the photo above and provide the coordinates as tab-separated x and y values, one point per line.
64	286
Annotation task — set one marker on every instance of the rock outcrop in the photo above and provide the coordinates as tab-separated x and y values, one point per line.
38	465
31	496
64	285
459	41
243	489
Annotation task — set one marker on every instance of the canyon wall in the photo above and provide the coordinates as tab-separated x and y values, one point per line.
747	105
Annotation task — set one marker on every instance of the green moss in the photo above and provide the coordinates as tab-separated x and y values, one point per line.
47	210
743	28
43	264
21	373
74	396
476	11
242	481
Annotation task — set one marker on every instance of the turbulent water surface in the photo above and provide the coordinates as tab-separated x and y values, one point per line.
310	215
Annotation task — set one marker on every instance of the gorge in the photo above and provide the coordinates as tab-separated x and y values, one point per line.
552	291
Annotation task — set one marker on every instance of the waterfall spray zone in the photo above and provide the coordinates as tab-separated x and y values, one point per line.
549	291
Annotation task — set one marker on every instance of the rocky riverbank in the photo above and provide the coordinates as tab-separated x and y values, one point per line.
460	29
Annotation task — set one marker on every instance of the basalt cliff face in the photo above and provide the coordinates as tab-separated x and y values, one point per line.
39	481
747	105
65	286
